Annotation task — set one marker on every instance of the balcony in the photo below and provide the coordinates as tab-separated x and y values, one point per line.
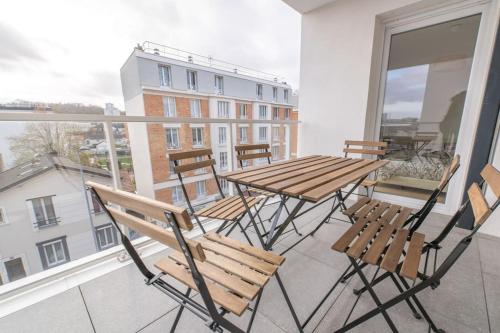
130	306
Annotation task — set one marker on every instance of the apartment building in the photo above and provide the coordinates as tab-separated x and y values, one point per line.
155	83
45	220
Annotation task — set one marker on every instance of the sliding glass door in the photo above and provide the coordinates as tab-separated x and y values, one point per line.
426	83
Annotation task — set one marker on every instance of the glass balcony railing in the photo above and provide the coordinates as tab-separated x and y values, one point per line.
48	218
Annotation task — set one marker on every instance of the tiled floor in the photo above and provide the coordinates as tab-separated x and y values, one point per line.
468	299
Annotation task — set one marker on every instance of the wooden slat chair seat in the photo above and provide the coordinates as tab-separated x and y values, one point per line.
230	209
379	238
227	273
237	271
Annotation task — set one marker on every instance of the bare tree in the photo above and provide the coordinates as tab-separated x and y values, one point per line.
46	137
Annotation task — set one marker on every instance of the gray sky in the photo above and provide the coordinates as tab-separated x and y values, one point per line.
72	51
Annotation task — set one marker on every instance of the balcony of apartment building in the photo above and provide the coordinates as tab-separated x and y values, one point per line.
419	76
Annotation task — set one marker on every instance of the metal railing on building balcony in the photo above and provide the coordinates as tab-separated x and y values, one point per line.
208	61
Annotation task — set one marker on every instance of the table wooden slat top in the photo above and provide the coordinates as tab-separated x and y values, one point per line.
311	178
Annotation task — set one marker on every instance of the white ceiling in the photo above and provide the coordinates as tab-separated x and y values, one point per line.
304	6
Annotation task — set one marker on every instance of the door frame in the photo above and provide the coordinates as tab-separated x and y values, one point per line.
475	88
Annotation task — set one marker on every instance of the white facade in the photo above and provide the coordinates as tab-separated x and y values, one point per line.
20	235
343	52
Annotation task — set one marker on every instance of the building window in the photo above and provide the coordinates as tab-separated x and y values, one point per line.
287	113
3	216
219	84
169	106
172	138
276	133
223	160
222	135
171	166
275	94
44	212
259	91
165	76
262	134
96	206
197	136
243	134
285	95
243	111
53	252
276	113
15	269
262	111
224	185
200	188
177	194
275	150
192	80
223	109
106	236
195	107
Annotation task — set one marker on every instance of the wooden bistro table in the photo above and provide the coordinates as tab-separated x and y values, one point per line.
315	179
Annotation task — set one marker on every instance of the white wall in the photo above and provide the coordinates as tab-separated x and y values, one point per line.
341	60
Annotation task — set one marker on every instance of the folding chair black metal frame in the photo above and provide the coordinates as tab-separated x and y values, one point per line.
245	152
231	211
408	267
193	265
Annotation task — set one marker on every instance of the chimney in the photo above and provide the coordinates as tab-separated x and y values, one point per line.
190	59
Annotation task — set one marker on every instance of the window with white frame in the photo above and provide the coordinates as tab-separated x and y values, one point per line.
43	210
219	84
3	216
169	106
199	171
285	95
165	75
197	136
276	113
223	160
262	160
177	194
192	80
243	134
262	111
14	267
53	252
195	107
222	109
244	163
276	133
243	111
106	236
275	151
201	190
172	135
275	94
259	91
287	113
224	185
262	134
222	135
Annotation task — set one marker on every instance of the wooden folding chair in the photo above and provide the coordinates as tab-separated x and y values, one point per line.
227	273
253	152
370	210
389	247
230	209
376	149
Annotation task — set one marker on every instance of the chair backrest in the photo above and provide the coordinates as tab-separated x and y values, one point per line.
251	152
448	174
113	200
181	166
481	210
374	148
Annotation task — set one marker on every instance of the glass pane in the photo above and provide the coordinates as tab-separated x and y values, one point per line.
49	208
59	251
51	257
38	209
427	77
15	269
